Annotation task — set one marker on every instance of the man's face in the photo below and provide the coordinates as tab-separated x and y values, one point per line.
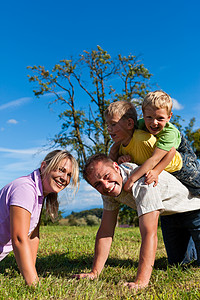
106	178
155	119
120	129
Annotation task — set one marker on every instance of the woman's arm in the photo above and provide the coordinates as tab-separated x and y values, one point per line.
25	248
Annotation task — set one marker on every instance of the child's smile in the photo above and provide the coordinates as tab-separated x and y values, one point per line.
155	119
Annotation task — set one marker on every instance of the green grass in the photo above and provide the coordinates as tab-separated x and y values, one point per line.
64	251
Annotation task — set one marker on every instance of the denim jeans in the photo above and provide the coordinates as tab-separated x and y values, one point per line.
191	253
189	174
177	230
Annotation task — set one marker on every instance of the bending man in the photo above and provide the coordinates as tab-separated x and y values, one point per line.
170	198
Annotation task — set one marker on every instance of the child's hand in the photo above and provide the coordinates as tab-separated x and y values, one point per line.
151	176
124	158
128	185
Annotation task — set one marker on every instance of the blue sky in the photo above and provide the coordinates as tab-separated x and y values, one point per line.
164	34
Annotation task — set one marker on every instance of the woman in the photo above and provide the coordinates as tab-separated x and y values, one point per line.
21	204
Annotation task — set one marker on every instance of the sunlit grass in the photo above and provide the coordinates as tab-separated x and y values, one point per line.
66	250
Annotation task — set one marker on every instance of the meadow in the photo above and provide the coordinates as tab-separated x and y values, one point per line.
67	250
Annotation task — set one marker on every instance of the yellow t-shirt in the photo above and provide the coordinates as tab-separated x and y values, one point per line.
141	147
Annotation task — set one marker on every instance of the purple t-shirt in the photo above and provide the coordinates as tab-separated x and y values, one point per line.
25	192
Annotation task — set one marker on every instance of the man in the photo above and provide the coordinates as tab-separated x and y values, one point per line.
169	198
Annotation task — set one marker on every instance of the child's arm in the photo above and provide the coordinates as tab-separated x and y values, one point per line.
152	175
114	151
148	165
124	158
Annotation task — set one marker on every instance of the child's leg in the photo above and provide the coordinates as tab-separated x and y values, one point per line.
189	175
185	148
190	178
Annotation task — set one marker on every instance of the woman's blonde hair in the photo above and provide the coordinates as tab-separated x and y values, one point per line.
52	161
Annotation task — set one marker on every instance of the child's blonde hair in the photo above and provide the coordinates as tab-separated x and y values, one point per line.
158	99
123	109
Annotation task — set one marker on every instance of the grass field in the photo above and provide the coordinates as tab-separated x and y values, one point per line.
66	250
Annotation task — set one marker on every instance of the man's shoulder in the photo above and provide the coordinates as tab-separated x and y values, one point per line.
128	167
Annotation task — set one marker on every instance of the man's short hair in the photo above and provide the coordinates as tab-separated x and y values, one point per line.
123	109
158	99
92	160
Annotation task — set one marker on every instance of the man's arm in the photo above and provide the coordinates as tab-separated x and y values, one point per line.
148	165
148	228
103	243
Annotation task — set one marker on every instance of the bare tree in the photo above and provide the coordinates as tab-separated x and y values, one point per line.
99	79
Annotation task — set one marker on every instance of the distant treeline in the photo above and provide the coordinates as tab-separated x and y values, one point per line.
89	217
127	216
84	213
92	217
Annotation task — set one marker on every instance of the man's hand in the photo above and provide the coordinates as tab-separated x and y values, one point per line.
90	275
103	243
124	158
151	176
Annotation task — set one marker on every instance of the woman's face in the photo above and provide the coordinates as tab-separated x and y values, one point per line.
57	180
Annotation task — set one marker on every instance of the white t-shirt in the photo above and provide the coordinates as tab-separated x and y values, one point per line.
169	196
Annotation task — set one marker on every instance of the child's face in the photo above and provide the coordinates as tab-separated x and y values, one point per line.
119	129
155	119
